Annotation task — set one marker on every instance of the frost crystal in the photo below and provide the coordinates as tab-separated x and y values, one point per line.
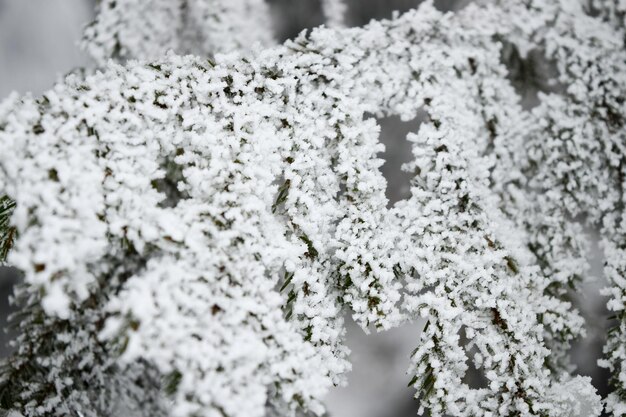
197	228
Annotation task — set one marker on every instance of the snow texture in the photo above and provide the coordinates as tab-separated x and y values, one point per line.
199	226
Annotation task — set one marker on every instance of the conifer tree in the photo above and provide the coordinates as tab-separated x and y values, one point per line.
192	229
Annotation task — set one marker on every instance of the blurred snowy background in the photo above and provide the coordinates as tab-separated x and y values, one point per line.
38	44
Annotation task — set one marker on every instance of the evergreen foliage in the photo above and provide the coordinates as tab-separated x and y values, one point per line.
192	229
7	233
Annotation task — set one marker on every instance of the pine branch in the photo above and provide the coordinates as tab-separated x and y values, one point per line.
7	232
243	201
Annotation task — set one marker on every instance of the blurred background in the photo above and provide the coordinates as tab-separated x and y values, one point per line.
38	44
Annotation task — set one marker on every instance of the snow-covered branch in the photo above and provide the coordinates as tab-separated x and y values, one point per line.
199	226
147	29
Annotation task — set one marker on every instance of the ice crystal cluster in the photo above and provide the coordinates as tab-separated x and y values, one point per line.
192	229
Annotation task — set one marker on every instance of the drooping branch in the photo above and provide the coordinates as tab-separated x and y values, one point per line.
573	150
